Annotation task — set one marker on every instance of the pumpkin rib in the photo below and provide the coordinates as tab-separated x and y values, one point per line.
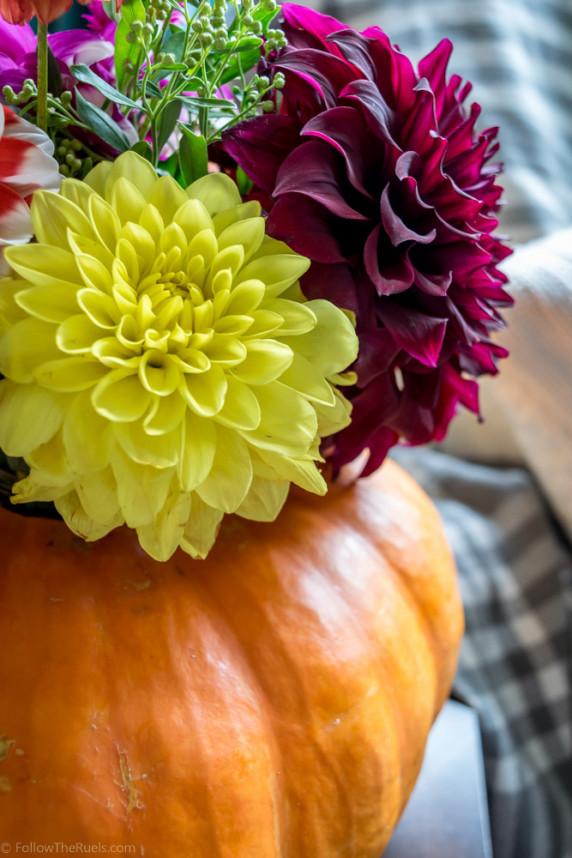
277	625
389	666
274	628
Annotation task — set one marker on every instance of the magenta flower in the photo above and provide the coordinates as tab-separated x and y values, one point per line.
18	53
18	62
376	172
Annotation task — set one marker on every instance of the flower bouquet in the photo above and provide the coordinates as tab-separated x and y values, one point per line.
244	253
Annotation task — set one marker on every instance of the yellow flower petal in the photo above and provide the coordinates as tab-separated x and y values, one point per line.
167	196
216	191
49	303
241	409
87	436
243	211
71	374
141	492
231	474
330	354
97	177
264	500
277	271
248	234
282	410
43	265
159	451
127	200
50	458
104	221
21	407
77	334
132	167
265	361
304	377
192	217
165	414
71	510
162	536
297	318
198	450
302	472
202	528
97	493
52	216
120	397
204	392
26	346
158	373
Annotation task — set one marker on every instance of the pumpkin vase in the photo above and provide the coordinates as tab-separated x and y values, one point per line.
271	701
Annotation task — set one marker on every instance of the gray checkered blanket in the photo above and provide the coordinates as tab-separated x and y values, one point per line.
514	556
515	571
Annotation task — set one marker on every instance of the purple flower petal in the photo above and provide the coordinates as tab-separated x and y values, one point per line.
381	178
313	170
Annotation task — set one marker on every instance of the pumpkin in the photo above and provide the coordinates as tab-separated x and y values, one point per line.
272	700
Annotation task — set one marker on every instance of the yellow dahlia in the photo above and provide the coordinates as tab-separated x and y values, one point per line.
161	364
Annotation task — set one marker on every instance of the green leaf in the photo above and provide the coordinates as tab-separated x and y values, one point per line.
264	16
199	101
131	10
152	91
143	148
101	123
55	85
193	157
244	183
167	121
163	67
110	9
84	74
244	58
170	165
175	45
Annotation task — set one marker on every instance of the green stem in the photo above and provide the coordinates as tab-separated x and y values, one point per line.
42	114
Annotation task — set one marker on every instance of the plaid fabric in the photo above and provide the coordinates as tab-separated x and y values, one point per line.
518	55
515	565
515	573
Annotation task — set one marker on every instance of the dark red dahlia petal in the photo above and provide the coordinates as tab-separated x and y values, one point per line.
305	28
313	77
395	227
305	228
377	351
315	171
344	128
334	282
454	389
260	146
380	118
481	358
389	269
390	71
434	68
372	412
417	333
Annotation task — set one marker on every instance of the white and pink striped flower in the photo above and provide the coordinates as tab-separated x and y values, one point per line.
26	164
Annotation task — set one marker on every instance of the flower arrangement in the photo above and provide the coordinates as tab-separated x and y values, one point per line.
234	253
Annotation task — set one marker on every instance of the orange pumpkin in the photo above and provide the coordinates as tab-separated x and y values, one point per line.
272	700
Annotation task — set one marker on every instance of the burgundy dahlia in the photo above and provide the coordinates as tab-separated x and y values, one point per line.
375	172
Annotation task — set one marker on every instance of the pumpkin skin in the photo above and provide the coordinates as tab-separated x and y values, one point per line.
272	701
